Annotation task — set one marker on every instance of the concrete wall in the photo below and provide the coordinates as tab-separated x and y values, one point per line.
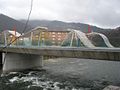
99	55
19	62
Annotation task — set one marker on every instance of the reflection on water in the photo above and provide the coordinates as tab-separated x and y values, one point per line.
75	74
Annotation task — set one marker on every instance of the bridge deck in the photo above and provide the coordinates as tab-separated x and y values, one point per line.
72	52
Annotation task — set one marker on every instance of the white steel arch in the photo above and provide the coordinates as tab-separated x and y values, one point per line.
104	38
80	35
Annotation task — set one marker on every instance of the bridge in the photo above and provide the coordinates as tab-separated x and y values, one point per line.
20	57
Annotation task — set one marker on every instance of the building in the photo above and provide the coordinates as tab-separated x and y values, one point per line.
8	36
43	36
56	37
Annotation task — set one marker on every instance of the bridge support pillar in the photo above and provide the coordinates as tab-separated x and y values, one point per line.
1	60
19	62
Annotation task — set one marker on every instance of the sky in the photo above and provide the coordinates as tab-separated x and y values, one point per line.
102	13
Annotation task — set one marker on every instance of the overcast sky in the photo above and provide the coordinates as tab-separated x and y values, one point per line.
102	13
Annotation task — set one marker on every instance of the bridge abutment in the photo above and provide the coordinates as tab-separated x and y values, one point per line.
19	62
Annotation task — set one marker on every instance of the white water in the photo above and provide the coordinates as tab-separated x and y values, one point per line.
37	82
70	73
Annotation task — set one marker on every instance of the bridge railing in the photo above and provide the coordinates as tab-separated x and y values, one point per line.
38	38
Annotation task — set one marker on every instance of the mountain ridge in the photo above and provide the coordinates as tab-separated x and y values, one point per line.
55	24
8	23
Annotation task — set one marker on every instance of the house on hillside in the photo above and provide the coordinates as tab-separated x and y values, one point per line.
8	36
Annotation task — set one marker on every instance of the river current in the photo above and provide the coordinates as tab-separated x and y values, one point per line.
65	74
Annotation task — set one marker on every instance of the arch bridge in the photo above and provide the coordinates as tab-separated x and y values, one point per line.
19	57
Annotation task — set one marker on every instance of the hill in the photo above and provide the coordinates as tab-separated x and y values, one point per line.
114	36
9	23
59	25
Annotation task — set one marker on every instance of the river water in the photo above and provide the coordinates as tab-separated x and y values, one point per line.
65	74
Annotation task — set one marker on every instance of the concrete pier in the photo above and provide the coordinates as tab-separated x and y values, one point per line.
19	62
1	60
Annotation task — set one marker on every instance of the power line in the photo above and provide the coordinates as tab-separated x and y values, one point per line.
26	24
21	33
31	6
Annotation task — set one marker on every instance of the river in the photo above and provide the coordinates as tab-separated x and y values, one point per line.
65	74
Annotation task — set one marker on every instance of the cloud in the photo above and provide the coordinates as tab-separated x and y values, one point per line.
103	13
106	14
